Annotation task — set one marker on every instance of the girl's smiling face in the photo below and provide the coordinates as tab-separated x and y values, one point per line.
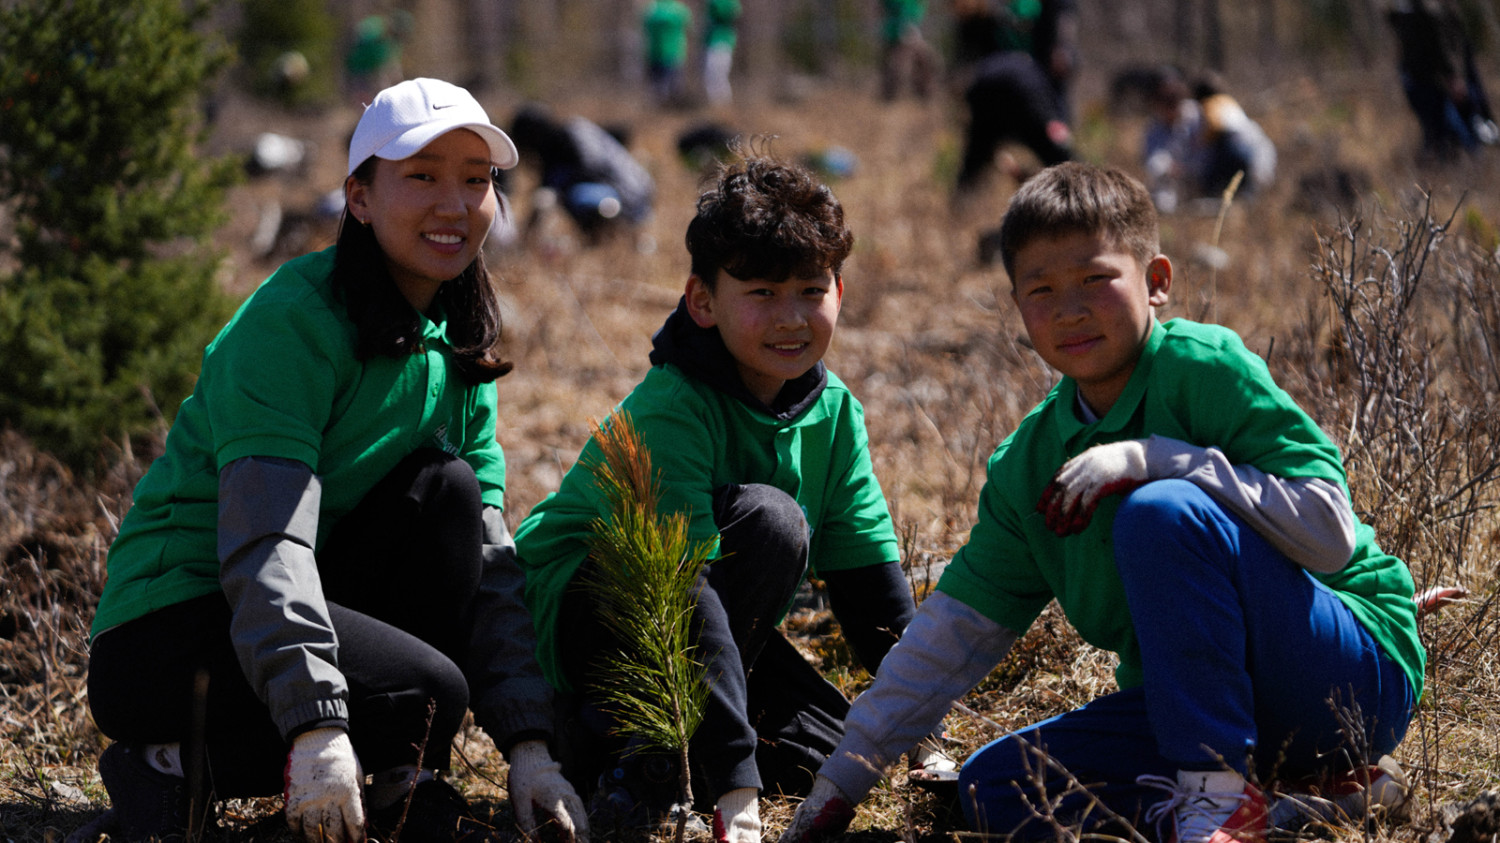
430	212
1087	306
775	331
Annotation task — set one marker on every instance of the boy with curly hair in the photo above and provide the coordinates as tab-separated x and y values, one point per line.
767	451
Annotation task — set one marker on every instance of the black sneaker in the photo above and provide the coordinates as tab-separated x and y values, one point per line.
437	813
634	804
148	803
613	811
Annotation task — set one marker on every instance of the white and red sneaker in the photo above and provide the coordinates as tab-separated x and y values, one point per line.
1208	807
1379	789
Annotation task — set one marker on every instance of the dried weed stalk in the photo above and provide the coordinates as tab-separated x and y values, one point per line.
1408	380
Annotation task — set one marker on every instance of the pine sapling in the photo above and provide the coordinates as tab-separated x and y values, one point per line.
644	585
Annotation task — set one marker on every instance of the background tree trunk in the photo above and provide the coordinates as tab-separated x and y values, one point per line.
1213	36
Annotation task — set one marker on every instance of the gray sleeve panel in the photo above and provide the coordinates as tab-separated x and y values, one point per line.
508	693
1309	519
268	521
946	650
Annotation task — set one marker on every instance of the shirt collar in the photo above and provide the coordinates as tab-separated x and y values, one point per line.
434	326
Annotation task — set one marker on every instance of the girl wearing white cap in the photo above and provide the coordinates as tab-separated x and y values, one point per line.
315	581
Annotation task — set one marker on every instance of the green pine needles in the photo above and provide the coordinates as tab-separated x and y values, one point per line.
109	277
643	583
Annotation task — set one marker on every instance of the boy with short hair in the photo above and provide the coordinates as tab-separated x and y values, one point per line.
1187	516
766	450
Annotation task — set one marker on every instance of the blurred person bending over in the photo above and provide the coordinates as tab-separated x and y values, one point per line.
1440	78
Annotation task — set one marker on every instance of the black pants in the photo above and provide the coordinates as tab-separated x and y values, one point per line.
771	718
398	572
1010	99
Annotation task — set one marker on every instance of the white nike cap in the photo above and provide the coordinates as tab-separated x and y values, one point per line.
409	115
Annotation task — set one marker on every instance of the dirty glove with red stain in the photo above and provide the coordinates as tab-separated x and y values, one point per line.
737	817
823	815
1069	501
325	788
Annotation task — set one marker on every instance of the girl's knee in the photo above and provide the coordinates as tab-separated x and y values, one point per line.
443	474
447	683
439	696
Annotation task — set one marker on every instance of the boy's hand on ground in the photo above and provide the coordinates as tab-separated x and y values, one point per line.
1437	597
537	788
324	786
823	815
1069	501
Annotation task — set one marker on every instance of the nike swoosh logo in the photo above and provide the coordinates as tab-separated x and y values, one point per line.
435	107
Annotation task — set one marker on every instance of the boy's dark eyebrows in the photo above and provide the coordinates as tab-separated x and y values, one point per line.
781	278
1021	279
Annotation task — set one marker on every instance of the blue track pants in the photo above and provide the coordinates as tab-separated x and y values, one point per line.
1250	664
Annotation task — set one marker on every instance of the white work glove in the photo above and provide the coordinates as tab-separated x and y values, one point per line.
324	783
928	755
737	816
1070	499
823	815
537	785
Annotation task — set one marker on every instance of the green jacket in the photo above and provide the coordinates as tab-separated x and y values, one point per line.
720	29
666	25
281	380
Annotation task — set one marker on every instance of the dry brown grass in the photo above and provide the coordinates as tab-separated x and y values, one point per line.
929	342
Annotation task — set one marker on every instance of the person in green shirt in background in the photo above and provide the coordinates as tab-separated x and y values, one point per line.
719	38
373	62
666	24
1187	516
905	56
766	451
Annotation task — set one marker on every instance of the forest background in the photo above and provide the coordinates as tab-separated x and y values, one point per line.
1364	276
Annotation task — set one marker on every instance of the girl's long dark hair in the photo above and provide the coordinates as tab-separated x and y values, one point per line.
386	322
